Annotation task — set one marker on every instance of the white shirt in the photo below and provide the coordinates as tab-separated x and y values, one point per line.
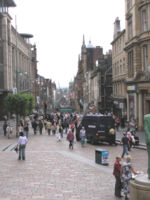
22	140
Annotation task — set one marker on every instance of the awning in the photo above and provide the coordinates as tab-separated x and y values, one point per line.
7	3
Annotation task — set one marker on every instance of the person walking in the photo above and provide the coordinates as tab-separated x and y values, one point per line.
58	134
40	126
53	128
82	135
127	170
22	141
117	173
20	127
26	129
125	142
48	127
5	127
9	130
72	126
34	126
70	138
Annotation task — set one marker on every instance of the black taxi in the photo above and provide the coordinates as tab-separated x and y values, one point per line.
99	128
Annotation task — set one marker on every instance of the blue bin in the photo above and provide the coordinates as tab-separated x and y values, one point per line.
101	156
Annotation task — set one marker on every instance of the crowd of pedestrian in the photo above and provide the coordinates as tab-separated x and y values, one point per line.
58	124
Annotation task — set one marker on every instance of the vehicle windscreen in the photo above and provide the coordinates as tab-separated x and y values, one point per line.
105	123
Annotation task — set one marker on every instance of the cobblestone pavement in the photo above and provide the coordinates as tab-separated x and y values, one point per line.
53	172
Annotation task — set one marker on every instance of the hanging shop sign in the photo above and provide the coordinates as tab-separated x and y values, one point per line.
131	88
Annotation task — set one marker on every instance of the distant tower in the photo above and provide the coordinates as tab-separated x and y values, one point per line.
116	27
83	48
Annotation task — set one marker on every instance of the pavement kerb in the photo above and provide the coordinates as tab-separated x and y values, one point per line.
140	146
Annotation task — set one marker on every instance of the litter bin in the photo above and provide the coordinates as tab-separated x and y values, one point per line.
101	156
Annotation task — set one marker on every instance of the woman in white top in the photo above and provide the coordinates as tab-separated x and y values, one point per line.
22	141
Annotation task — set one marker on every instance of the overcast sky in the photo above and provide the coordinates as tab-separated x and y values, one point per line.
58	27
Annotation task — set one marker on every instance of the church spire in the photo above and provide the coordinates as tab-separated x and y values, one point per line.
83	41
83	45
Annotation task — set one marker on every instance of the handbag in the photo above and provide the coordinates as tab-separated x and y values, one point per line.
16	149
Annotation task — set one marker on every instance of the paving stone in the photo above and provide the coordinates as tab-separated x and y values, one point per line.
52	171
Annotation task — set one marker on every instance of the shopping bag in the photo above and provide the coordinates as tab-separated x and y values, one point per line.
85	141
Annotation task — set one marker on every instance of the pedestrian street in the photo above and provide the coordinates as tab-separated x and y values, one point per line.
52	171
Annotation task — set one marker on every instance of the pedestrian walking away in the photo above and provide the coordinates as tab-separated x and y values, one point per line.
26	129
40	126
70	138
125	142
48	127
117	173
34	126
22	141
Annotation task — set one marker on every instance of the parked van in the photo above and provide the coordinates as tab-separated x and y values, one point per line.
98	129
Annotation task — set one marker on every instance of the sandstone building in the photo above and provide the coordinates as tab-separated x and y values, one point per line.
18	64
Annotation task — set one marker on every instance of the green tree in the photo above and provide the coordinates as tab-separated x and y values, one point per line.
19	104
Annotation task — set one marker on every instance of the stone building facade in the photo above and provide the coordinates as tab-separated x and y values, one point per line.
138	58
92	79
133	56
119	71
18	63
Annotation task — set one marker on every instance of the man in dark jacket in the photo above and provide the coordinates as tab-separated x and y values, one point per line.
125	142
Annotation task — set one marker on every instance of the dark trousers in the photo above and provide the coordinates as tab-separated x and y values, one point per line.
118	186
41	130
70	144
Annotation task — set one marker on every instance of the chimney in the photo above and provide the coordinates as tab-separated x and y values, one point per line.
116	27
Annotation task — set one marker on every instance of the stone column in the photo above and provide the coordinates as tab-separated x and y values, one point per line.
135	106
128	113
140	188
140	110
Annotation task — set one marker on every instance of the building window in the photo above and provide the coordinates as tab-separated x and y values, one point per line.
130	63
130	32
144	20
145	57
